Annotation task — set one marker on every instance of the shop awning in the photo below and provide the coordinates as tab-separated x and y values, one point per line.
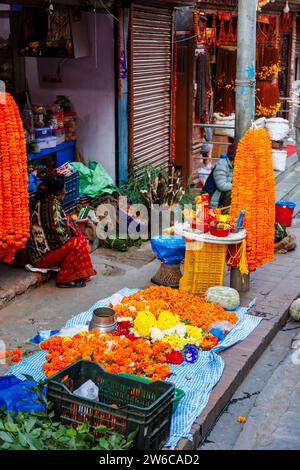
277	6
89	5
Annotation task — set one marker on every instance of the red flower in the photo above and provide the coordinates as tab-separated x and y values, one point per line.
174	357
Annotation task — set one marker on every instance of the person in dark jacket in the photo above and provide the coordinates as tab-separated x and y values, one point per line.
223	179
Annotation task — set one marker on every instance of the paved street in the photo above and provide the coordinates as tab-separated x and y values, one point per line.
268	398
48	307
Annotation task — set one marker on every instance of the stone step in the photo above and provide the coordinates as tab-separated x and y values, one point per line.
288	185
296	199
292	161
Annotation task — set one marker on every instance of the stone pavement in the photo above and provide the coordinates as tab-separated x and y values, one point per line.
274	421
48	307
227	430
14	282
275	286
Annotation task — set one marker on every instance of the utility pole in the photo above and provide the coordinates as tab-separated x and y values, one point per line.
245	92
245	73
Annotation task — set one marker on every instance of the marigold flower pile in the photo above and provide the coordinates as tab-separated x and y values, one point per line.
14	210
190	308
154	325
115	354
253	189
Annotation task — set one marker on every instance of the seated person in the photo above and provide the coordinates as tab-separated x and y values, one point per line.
219	183
54	239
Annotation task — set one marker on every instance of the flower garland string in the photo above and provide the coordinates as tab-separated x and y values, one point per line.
14	207
253	189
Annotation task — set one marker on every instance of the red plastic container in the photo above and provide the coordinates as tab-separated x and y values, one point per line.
216	232
284	212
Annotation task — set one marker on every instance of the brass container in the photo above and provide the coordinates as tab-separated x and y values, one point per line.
104	320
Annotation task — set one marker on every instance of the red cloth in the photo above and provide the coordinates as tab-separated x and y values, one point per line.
291	149
73	258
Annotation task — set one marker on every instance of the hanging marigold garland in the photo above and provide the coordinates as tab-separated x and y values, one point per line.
253	189
14	210
286	22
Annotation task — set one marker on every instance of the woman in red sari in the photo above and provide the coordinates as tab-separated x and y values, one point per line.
54	239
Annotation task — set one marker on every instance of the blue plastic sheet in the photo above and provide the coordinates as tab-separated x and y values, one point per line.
33	182
168	249
41	336
15	395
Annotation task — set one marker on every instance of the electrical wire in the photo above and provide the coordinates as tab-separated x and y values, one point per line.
107	10
117	19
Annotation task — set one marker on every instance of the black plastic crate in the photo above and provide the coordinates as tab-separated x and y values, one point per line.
125	404
72	188
69	208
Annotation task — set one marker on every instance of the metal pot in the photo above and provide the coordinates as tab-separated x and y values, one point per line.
104	320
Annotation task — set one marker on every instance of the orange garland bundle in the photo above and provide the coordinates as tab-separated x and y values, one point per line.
253	189
115	354
14	210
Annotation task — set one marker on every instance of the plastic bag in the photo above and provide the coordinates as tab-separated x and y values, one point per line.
168	249
88	390
220	329
295	310
42	336
15	395
226	297
116	299
94	181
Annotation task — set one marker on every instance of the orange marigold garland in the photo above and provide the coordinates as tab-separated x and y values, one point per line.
189	307
14	210
114	354
253	189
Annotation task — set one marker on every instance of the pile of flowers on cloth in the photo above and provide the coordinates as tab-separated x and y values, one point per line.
153	328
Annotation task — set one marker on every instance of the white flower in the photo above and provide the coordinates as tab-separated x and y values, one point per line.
132	330
169	331
132	308
109	344
119	319
156	334
180	329
132	364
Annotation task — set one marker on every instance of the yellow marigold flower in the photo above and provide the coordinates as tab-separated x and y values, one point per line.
196	335
177	342
166	320
143	322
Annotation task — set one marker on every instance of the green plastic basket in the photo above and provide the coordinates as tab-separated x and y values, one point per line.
124	405
178	393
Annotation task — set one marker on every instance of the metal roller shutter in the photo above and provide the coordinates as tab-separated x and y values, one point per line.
150	86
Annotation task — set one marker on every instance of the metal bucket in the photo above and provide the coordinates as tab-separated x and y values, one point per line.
104	320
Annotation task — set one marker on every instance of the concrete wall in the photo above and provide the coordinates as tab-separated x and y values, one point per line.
90	84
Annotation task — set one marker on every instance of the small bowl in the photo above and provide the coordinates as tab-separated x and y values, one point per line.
217	232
